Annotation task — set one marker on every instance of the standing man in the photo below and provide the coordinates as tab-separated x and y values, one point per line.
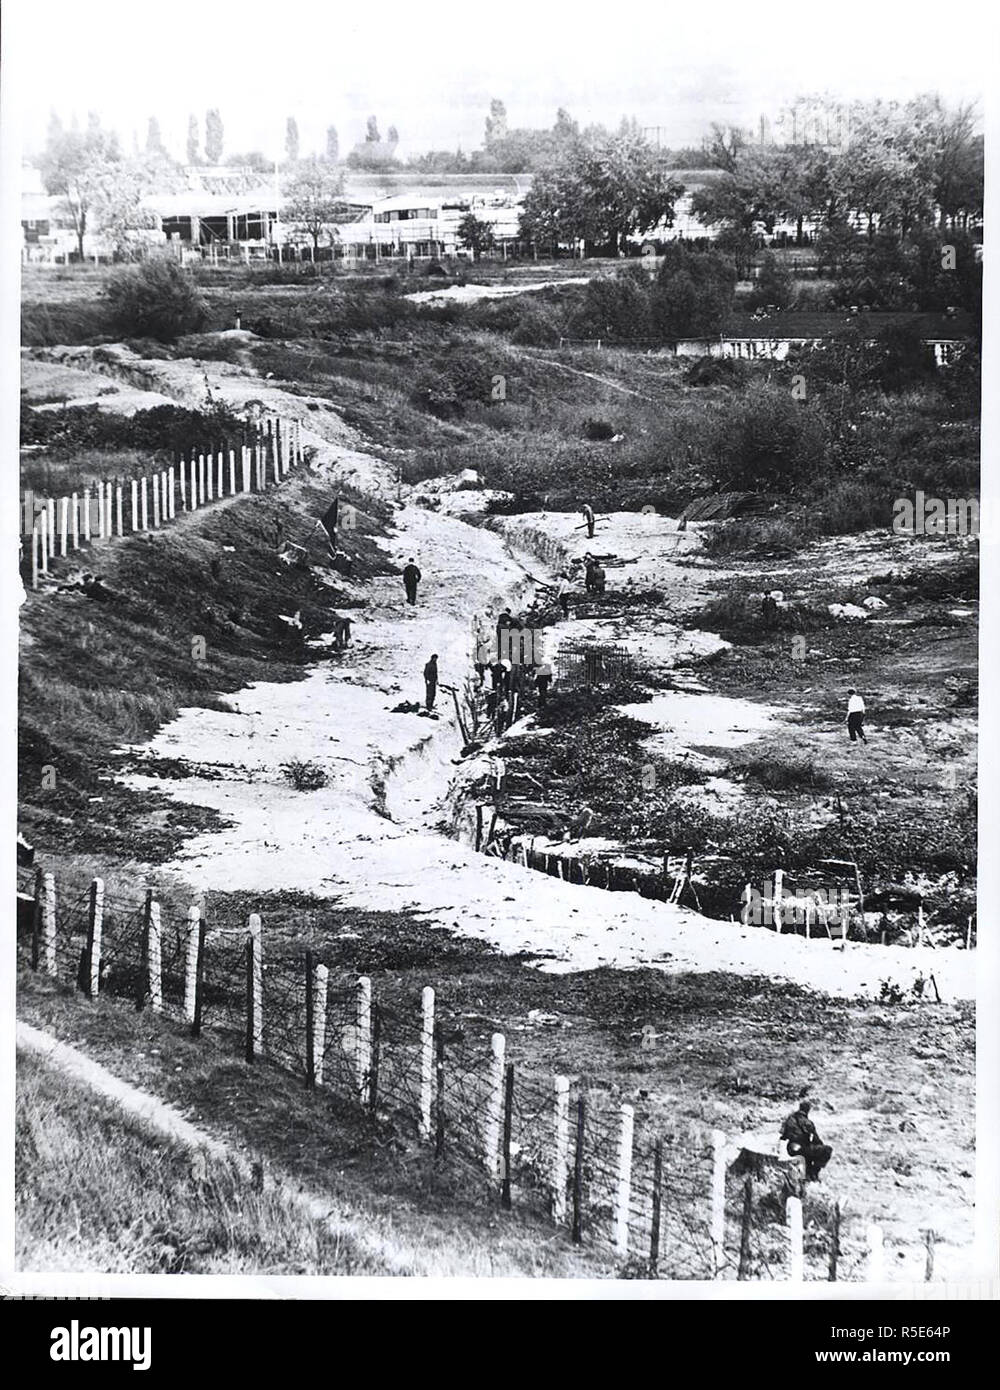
411	578
588	516
562	593
801	1136
855	716
543	679
431	680
504	623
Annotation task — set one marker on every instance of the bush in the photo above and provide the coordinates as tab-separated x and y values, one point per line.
598	429
766	441
773	287
156	300
303	776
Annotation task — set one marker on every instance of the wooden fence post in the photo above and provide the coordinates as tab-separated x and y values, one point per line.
929	1262
376	1054
191	963
718	1221
154	958
63	524
144	503
508	1125
793	1215
364	1046
310	1035
86	514
95	931
654	1229
439	1090
560	1149
426	1059
876	1255
494	1105
49	924
320	986
743	1272
75	521
581	1121
624	1189
36	919
199	981
834	1242
254	990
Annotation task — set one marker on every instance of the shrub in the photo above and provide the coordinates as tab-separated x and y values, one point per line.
598	429
767	441
156	300
303	776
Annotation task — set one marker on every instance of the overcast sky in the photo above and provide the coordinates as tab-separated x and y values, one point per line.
680	67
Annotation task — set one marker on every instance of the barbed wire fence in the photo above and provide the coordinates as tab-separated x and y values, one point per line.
564	1151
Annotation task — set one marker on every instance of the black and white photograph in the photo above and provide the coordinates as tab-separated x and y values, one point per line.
493	671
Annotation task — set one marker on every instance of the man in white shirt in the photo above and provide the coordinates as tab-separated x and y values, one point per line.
855	716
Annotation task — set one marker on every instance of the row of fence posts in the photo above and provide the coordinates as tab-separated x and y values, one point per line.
433	1120
107	510
432	1116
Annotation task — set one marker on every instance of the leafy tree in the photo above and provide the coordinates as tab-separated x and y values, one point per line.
600	193
496	124
154	140
314	198
253	159
79	169
213	136
156	300
192	140
393	136
332	144
292	140
773	287
692	294
372	136
766	440
475	235
617	309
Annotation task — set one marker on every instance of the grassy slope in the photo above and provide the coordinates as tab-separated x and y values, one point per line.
97	1190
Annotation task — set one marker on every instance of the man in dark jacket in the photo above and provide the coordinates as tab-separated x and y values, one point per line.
411	578
801	1136
431	680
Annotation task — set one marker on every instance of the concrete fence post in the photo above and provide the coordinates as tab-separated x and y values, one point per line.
63	524
560	1149
793	1216
876	1255
718	1219
50	508
426	1060
172	493
119	510
779	883
155	489
209	477
49	923
245	468
221	464
144	504
155	959
135	505
275	452
34	558
193	489
364	1038
95	932
232	473
624	1191
101	519
182	479
191	963
43	540
320	984
75	521
200	500
255	990
494	1105
86	514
